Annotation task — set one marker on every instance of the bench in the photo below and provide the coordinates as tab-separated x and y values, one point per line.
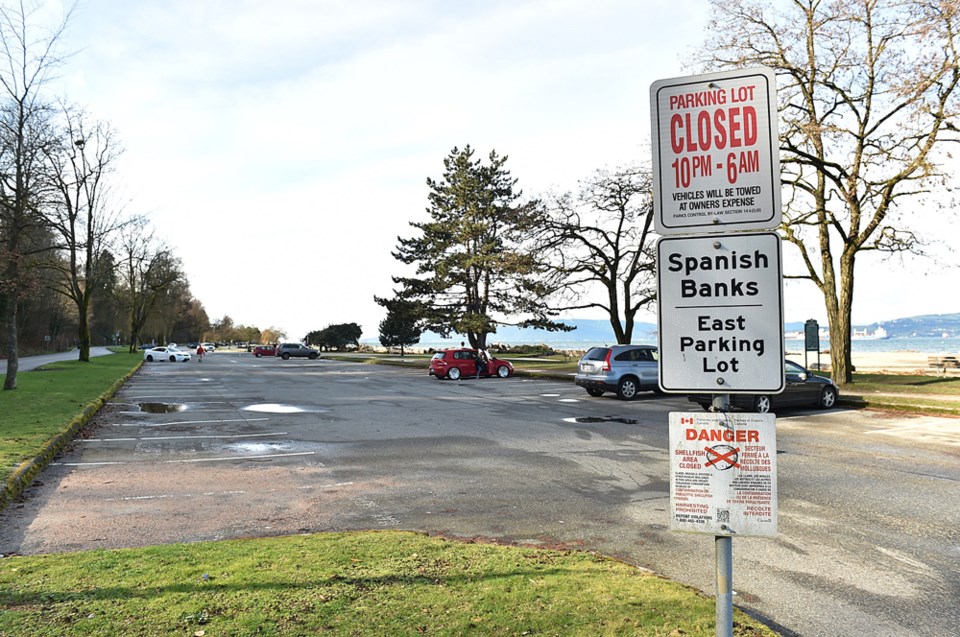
943	363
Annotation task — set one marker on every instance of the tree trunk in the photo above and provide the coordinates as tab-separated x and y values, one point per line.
841	355
13	360
83	329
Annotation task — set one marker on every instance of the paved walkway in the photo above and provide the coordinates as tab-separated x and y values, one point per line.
28	363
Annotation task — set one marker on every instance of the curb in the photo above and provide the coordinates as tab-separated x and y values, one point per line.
25	473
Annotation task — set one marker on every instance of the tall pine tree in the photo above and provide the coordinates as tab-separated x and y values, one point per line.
474	267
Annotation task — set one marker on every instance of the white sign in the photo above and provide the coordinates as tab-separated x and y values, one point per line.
716	153
720	311
723	473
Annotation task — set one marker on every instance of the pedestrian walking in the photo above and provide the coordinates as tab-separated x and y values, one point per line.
200	352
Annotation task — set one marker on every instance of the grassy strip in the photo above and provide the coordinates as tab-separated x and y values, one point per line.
384	583
47	410
904	404
907	384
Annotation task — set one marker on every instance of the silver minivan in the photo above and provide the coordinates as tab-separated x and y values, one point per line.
624	369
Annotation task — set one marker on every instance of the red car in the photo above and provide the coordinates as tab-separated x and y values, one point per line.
454	363
265	350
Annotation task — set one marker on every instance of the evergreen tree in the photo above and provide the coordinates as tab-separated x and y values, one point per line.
401	327
474	267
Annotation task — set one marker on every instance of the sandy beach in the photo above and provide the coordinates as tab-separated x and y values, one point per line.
901	362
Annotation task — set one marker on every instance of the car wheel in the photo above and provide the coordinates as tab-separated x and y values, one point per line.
173	359
762	404
285	356
453	373
593	391
828	398
313	356
627	389
149	359
503	371
258	355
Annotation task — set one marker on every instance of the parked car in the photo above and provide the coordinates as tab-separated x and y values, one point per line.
265	350
171	354
624	369
145	346
209	347
296	350
455	363
803	388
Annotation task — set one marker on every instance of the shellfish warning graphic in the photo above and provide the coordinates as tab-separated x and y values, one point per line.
723	473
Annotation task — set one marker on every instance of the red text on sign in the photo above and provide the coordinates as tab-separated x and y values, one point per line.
732	127
723	435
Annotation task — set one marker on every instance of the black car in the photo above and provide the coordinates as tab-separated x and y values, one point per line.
296	350
803	389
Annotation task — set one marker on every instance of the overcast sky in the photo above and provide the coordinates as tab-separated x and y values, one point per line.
282	147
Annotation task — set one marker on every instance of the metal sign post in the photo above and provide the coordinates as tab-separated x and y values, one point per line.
811	341
716	168
723	550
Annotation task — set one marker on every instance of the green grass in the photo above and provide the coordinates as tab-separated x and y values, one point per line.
904	383
388	583
46	401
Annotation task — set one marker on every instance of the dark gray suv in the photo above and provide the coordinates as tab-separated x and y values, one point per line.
624	369
296	350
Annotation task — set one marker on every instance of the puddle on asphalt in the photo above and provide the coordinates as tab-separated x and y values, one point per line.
258	448
276	408
161	408
591	420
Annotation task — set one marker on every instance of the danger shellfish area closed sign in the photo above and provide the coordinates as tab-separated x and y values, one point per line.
723	473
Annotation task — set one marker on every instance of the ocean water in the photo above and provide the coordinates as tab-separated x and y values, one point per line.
924	345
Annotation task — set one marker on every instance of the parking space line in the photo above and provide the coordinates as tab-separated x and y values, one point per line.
186	461
186	422
273	434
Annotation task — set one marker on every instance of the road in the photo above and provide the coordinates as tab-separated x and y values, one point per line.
868	541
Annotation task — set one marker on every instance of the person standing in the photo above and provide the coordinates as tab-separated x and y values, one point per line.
481	361
200	352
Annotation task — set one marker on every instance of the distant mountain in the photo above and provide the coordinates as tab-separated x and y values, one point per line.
935	325
599	331
587	331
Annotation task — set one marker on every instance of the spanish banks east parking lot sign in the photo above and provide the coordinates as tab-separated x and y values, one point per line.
721	313
716	154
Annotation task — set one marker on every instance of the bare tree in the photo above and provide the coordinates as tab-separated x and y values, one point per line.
868	93
148	268
80	213
602	238
26	64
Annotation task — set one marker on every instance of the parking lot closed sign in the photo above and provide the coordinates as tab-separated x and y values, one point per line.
716	155
721	313
723	473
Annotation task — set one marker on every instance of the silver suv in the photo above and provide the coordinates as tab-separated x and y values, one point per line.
287	350
625	369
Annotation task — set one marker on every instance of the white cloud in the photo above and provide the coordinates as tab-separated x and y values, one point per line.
299	135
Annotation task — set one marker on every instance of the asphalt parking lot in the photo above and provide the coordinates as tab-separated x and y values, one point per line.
238	447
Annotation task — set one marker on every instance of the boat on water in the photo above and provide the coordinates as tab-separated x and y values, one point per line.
864	335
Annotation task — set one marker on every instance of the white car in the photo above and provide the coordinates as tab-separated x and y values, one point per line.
171	354
209	347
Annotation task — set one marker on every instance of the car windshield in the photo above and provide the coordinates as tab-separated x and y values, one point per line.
438	356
